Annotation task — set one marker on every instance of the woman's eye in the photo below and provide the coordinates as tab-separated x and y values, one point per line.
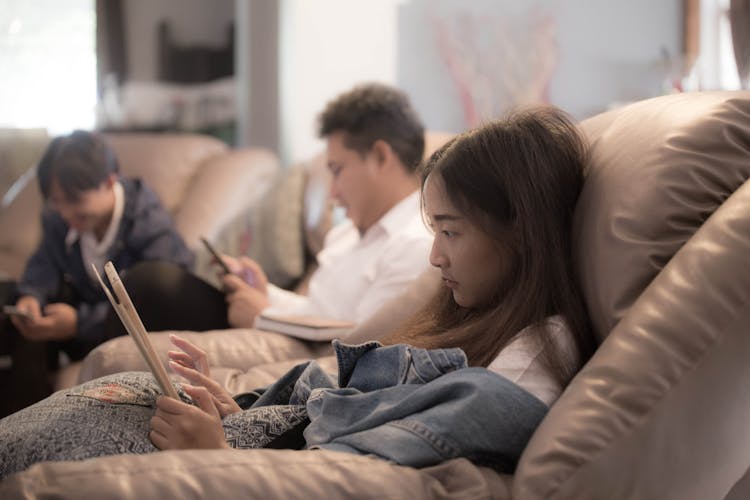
448	234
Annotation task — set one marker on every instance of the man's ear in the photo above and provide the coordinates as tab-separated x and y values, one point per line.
109	182
382	152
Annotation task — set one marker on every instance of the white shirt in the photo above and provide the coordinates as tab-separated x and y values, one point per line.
520	361
93	250
356	275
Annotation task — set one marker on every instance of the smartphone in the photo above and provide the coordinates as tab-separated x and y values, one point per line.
216	256
14	311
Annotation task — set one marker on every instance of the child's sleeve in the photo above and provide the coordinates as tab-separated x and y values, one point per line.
41	277
158	239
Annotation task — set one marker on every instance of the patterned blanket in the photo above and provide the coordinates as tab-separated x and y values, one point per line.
110	416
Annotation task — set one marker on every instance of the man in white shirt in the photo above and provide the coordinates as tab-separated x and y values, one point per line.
375	142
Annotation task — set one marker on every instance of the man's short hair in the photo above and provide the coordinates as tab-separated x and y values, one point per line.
77	162
372	112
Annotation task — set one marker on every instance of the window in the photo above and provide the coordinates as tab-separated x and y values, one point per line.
48	64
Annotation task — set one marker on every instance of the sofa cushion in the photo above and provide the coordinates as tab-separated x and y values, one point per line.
178	156
224	187
264	473
318	204
678	156
270	232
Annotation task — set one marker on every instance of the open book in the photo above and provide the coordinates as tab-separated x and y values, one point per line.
133	324
304	327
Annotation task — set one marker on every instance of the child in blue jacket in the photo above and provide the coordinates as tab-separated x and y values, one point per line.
91	215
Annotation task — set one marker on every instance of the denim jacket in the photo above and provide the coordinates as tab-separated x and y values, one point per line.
411	406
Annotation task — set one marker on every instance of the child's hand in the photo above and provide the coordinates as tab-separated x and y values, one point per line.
180	426
58	323
192	364
29	305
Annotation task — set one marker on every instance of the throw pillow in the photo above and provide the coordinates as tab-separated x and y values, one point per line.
269	232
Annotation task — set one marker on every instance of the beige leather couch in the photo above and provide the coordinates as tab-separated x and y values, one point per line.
660	411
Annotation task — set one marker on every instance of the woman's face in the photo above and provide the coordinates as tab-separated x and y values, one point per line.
473	265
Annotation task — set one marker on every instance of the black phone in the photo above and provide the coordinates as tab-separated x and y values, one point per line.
14	311
216	256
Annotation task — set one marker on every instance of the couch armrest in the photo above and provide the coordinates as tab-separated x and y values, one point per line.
225	186
663	400
263	473
238	348
20	230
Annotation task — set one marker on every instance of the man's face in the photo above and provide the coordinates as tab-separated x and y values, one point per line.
354	183
91	210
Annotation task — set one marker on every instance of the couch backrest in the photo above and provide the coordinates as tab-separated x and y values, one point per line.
659	168
662	238
166	162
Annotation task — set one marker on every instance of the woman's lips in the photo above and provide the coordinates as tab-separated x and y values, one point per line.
450	283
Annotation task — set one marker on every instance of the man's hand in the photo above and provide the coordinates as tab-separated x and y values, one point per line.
180	426
253	275
58	323
248	271
191	363
245	302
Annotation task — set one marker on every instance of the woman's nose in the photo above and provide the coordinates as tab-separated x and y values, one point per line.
437	257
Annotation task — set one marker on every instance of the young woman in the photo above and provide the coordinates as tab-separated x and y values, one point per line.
500	200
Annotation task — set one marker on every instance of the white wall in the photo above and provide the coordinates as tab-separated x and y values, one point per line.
326	47
604	51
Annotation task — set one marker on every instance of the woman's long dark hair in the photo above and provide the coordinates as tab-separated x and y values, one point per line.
520	176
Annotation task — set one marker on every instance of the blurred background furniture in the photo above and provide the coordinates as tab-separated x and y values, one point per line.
20	149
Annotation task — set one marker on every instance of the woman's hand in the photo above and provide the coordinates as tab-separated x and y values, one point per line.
191	356
180	426
192	364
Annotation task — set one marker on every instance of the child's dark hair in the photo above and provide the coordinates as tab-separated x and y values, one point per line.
371	112
77	162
